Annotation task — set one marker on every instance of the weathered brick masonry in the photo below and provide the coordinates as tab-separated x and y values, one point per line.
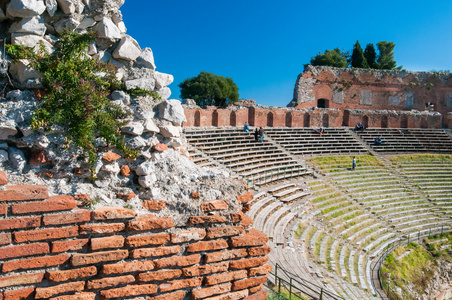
51	248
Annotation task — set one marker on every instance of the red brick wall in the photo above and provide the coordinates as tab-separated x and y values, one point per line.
318	117
50	248
424	87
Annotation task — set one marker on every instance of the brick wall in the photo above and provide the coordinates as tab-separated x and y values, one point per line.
51	248
362	89
261	117
280	117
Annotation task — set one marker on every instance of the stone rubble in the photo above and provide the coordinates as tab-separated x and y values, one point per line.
162	172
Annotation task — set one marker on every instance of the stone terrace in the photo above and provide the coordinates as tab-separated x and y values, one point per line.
327	232
408	140
259	163
305	141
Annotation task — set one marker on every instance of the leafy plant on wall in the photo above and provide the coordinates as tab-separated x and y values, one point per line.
76	90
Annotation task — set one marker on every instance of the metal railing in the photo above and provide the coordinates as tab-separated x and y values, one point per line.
376	268
299	288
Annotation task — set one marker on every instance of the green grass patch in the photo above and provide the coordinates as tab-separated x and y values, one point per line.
403	159
418	266
341	162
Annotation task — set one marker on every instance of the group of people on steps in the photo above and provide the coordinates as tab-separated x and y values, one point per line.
259	133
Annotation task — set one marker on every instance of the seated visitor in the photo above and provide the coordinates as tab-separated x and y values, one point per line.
359	126
246	127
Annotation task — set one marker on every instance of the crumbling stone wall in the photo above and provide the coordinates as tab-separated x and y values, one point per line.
158	227
364	89
52	248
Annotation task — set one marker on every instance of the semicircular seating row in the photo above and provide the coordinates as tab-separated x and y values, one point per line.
357	214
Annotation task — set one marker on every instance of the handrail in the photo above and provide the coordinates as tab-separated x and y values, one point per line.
304	287
388	250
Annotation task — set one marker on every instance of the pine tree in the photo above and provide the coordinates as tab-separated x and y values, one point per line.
385	59
358	60
371	56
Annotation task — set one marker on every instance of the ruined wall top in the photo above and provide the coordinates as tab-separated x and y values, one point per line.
378	74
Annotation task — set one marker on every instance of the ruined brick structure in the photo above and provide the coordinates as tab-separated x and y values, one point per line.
52	249
265	117
389	98
333	97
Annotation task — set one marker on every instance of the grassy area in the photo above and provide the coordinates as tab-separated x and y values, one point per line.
301	227
283	295
414	265
341	162
421	158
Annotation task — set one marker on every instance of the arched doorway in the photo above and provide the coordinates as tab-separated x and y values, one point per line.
323	103
215	118
197	120
365	121
325	120
384	122
270	119
404	121
306	120
233	119
289	119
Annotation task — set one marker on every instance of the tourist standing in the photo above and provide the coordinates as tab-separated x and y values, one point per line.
246	128
354	163
261	133
256	135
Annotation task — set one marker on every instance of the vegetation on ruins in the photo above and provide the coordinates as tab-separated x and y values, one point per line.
357	59
385	58
367	59
343	162
413	158
76	90
413	266
209	89
333	58
371	56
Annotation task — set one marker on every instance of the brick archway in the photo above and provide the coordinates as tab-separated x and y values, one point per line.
197	119
233	119
384	122
215	118
307	120
270	119
323	103
289	119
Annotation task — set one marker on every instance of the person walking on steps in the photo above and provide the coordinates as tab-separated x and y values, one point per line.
261	133
354	163
256	135
246	127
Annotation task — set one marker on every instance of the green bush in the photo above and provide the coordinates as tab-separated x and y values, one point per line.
76	95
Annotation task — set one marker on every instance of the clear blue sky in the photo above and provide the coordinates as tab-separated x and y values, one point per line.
263	44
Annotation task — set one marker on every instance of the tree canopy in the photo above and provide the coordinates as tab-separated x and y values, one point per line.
371	56
209	89
357	59
385	58
332	58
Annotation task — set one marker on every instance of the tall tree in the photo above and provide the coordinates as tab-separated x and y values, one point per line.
357	59
209	89
386	55
371	56
332	58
